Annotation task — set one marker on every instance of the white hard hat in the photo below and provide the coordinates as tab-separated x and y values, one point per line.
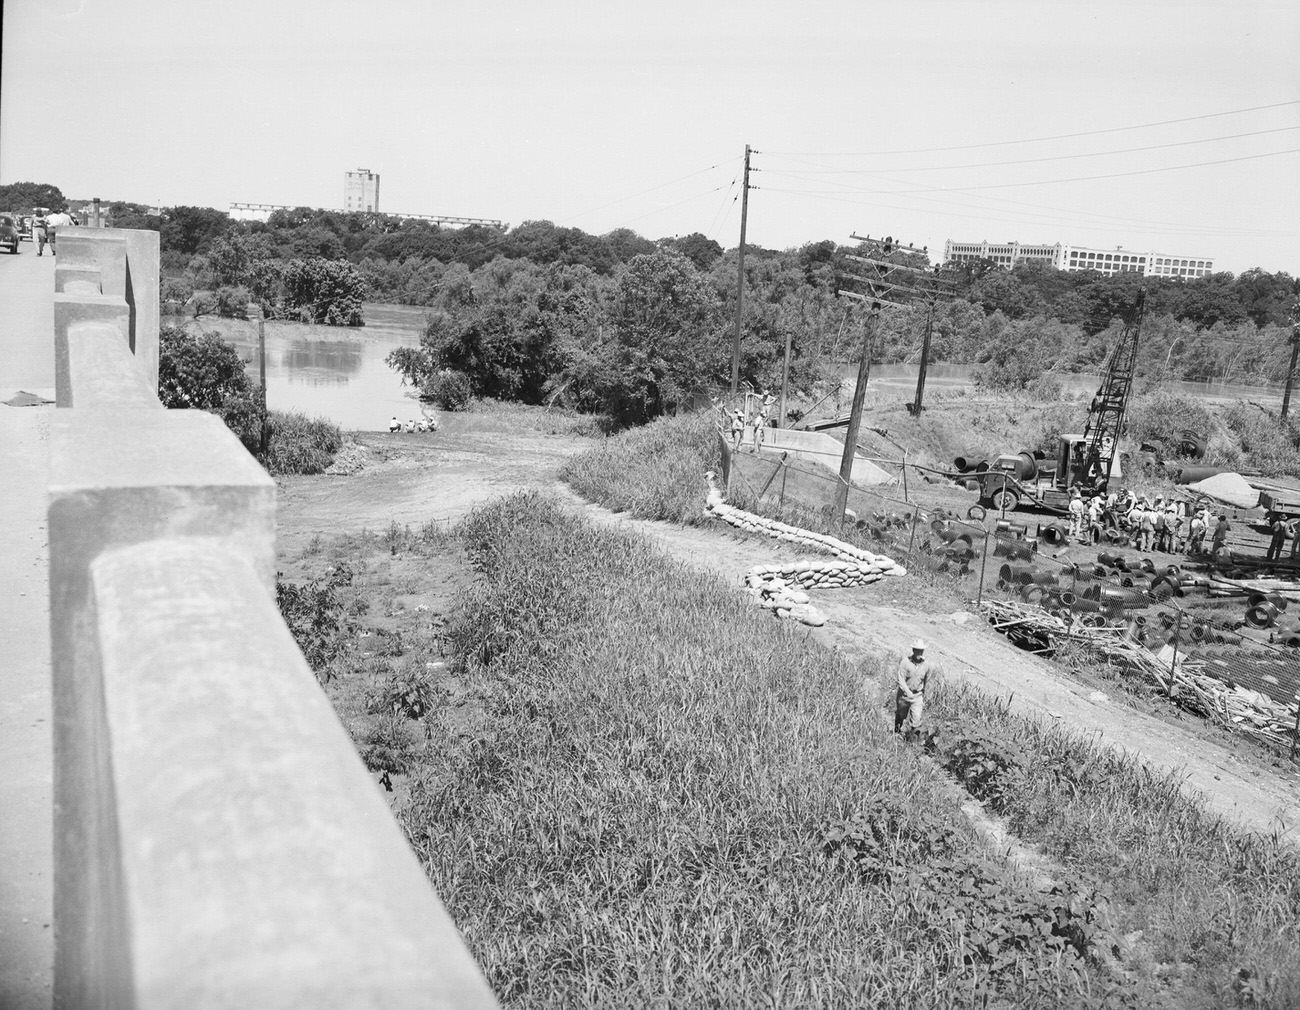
918	645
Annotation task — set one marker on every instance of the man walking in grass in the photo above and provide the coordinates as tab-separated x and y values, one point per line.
909	702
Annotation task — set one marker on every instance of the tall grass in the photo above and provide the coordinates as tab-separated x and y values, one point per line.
1218	906
299	444
652	472
662	797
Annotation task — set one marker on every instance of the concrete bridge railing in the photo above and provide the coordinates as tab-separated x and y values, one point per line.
218	842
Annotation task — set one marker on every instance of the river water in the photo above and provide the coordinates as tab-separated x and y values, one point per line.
333	372
340	374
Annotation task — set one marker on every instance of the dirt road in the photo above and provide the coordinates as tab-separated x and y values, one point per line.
443	476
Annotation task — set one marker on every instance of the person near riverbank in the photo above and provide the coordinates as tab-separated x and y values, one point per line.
394	425
1196	542
909	700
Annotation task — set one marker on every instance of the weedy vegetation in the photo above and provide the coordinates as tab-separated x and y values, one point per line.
632	788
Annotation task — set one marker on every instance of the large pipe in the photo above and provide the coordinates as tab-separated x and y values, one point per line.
1192	444
1192	474
1055	534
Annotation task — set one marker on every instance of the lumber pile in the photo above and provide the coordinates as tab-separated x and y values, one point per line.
1180	676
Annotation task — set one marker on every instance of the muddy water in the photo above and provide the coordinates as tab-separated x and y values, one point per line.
331	371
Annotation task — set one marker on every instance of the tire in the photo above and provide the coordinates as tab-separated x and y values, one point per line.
1005	500
977	513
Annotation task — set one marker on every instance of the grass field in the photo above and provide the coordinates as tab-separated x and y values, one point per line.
631	788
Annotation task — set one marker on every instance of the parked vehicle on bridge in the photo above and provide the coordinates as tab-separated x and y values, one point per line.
9	232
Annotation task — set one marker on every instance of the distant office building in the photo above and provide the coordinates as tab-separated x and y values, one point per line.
361	190
1073	258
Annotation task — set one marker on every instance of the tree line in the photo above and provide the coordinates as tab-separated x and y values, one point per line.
568	284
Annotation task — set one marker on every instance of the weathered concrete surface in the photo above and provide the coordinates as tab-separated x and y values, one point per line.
103	372
815	447
66	275
259	866
142	290
72	308
26	774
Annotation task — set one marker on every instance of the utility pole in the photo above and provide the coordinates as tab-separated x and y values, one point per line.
899	285
859	397
785	379
740	277
925	360
1290	372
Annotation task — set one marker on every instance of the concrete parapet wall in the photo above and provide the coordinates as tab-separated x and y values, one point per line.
127	263
218	842
71	309
258	864
102	372
66	275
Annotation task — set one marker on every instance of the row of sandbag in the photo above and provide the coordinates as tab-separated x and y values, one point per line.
751	523
782	587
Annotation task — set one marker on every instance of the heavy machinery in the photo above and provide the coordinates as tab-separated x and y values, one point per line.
1087	461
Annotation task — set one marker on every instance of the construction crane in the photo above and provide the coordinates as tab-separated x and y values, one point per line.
1088	460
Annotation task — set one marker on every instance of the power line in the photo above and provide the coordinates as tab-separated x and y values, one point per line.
1034	161
1039	140
650	189
1082	178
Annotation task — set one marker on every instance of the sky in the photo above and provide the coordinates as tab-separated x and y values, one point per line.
1165	126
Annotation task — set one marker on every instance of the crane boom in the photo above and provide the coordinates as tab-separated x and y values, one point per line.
1106	415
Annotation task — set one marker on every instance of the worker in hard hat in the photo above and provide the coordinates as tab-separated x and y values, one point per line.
909	702
737	429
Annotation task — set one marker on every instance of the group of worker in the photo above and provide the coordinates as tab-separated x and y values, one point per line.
1170	527
425	423
756	423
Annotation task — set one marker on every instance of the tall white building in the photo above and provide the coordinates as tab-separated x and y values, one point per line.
1074	257
361	190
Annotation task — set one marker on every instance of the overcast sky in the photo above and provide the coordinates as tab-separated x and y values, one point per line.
1167	126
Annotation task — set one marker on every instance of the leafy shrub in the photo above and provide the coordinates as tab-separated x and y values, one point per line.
318	617
201	370
990	769
1162	417
323	291
449	389
1265	444
298	444
203	303
232	302
175	292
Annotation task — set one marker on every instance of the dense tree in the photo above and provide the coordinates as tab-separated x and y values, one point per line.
322	291
21	197
191	230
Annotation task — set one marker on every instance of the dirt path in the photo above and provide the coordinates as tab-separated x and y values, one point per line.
443	477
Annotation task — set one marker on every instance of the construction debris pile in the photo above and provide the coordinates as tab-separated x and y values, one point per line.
1183	678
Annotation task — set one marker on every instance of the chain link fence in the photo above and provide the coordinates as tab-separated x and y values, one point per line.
1156	617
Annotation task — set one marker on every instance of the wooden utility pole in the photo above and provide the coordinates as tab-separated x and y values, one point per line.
785	380
859	397
925	360
1290	372
740	277
261	371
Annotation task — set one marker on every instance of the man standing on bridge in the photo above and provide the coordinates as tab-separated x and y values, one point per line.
52	225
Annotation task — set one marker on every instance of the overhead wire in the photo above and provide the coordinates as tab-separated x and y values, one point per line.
1034	161
1039	140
